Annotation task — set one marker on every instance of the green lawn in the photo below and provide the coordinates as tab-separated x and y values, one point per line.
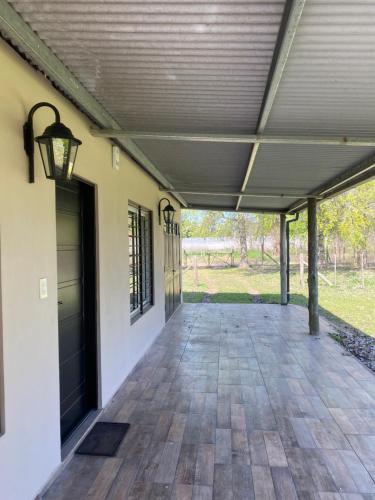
346	303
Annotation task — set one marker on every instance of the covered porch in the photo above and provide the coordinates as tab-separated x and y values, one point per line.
243	106
237	401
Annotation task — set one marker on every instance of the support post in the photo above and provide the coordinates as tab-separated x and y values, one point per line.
283	262
313	267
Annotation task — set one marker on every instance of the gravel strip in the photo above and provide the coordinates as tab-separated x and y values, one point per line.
362	346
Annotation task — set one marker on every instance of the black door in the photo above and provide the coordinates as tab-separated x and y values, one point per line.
172	269
75	224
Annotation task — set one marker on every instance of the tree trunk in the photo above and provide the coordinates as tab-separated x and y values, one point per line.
321	251
242	235
262	249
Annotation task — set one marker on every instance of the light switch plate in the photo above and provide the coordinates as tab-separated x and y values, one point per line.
43	288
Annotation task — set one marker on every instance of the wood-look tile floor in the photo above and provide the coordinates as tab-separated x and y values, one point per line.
237	402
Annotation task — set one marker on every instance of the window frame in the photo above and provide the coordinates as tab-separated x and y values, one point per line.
141	260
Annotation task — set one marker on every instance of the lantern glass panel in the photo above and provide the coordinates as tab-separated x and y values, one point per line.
71	159
166	216
46	154
60	154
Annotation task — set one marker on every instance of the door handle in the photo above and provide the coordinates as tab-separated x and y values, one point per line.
60	302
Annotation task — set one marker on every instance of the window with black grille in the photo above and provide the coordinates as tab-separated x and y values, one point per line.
140	260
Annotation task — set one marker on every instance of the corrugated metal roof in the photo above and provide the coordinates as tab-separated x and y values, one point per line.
202	67
202	201
196	66
200	166
299	169
267	203
328	84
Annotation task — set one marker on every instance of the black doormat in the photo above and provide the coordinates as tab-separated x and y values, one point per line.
103	439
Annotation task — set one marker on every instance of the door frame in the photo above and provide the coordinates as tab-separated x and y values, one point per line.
169	234
89	200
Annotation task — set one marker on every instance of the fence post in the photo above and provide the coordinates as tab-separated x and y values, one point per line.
232	258
301	269
209	259
362	272
195	270
335	268
185	258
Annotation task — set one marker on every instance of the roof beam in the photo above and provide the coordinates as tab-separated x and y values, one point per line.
246	195
14	28
231	209
237	138
292	15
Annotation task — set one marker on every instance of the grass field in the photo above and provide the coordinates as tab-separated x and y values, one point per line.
345	304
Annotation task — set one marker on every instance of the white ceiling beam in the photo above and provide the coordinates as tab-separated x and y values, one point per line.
292	15
237	138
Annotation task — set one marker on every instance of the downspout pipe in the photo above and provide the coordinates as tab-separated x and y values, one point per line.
288	254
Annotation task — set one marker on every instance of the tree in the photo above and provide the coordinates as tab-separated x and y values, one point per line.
241	226
211	224
345	221
199	224
266	224
357	221
189	224
329	216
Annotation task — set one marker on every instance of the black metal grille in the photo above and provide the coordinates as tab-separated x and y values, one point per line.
140	259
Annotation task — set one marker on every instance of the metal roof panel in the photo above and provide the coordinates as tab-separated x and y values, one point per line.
171	65
328	83
296	168
198	166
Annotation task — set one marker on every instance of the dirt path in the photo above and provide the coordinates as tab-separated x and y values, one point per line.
254	296
211	290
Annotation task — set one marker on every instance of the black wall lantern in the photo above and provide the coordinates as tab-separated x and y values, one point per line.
58	147
168	212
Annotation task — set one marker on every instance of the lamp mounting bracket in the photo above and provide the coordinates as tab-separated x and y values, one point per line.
28	134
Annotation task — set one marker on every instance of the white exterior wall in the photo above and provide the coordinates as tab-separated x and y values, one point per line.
30	445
